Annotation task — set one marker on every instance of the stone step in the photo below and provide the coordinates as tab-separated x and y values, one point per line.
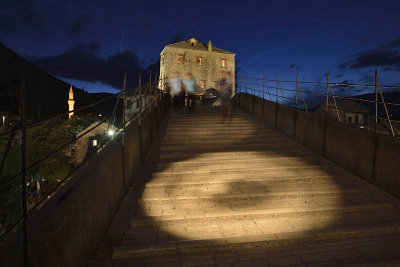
222	141
222	155
238	161
244	186
244	174
213	170
235	136
206	144
258	222
205	120
286	214
283	194
222	128
214	126
206	180
282	240
202	133
223	147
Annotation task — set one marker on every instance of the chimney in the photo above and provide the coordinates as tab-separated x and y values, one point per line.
209	46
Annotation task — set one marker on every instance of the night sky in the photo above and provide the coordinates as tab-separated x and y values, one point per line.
90	43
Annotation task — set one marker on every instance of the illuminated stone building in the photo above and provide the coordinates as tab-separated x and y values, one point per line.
204	61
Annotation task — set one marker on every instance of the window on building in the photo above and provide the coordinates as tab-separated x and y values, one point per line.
356	118
223	63
180	59
137	104
215	84
203	84
199	61
349	120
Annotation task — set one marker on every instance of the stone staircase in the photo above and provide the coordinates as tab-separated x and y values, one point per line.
231	190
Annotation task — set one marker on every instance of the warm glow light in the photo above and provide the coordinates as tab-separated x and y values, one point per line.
110	132
94	142
221	187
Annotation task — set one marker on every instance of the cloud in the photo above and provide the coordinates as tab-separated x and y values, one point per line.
81	63
368	78
294	66
77	26
19	14
385	55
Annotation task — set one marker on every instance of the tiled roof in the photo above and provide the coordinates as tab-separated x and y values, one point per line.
198	46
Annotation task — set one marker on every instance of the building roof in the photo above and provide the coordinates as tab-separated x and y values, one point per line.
197	46
348	106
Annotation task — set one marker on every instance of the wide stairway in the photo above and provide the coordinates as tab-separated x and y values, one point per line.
234	191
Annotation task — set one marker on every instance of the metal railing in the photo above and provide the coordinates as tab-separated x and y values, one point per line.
322	96
145	96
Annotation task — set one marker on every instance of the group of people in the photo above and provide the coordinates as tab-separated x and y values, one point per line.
183	93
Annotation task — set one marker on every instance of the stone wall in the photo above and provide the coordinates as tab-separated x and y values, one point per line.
373	157
66	229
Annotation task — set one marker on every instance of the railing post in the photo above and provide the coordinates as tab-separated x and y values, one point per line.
140	98
295	111
23	162
123	130
254	96
246	94
387	112
263	106
276	104
376	99
326	114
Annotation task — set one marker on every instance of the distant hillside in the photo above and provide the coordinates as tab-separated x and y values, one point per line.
389	97
47	95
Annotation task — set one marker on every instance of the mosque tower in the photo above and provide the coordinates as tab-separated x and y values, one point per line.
71	102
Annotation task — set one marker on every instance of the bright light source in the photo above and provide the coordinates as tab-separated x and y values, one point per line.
110	132
94	142
99	115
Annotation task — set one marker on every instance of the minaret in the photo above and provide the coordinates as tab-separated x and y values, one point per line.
71	102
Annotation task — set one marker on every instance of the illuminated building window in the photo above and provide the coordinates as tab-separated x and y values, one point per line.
203	84
94	142
199	61
180	59
223	63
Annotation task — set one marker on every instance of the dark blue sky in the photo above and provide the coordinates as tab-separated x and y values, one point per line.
91	42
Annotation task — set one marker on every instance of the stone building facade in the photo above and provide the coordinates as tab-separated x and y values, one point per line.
349	111
204	61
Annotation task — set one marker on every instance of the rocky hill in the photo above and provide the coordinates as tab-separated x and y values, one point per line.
47	95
